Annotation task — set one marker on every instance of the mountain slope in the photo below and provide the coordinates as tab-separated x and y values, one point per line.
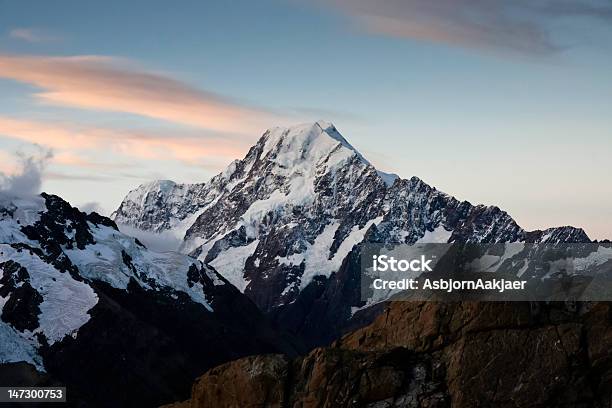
76	294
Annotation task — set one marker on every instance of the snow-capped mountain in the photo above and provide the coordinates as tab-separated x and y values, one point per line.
74	291
298	203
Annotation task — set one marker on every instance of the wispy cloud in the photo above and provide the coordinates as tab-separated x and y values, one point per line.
32	35
521	26
72	141
118	85
55	175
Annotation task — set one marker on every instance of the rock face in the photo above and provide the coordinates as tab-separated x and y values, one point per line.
325	378
505	353
285	224
91	308
436	355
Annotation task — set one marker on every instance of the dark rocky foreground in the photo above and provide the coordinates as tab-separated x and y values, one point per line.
436	355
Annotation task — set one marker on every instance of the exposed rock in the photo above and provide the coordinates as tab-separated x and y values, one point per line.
439	354
22	302
21	310
325	378
250	382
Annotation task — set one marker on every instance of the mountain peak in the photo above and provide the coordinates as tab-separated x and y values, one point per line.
306	142
321	130
139	194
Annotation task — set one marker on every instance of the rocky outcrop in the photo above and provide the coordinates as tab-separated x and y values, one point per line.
505	354
436	355
326	377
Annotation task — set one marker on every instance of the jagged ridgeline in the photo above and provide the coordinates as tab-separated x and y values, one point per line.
285	224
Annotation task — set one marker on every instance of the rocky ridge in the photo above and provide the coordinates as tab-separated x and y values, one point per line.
436	355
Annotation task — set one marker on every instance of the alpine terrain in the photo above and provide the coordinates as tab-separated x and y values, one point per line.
85	306
286	223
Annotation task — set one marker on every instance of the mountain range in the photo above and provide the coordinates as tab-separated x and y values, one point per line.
262	258
285	224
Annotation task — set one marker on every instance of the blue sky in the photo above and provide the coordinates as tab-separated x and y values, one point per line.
504	103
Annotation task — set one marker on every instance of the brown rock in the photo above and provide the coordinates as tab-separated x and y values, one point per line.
249	382
429	326
427	354
513	367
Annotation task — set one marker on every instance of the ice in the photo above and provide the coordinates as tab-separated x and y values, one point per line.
439	235
66	301
231	263
316	256
104	261
16	347
594	259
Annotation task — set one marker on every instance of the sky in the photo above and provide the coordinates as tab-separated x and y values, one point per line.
495	102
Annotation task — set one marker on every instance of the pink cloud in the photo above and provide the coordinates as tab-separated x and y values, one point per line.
74	143
116	85
521	26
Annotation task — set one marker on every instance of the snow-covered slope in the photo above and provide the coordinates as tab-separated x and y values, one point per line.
57	264
298	203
